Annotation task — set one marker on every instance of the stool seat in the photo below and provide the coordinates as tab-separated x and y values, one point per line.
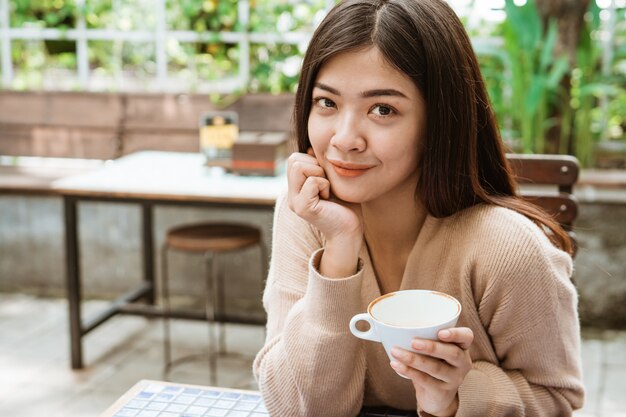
213	237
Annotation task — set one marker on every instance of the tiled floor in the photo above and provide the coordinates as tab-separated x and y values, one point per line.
36	380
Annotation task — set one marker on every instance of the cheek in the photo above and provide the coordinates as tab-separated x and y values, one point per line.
318	134
405	157
414	144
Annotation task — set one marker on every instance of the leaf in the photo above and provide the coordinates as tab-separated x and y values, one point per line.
558	71
534	97
599	89
547	51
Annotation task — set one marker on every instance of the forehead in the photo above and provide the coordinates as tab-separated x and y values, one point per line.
362	70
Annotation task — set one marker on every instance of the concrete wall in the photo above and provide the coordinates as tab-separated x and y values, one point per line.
32	253
32	250
107	126
601	264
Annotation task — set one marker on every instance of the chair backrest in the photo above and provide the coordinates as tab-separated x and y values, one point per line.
548	181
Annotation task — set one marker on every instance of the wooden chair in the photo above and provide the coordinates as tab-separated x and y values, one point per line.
548	181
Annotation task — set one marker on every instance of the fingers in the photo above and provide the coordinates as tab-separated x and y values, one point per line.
303	163
462	336
307	184
307	201
444	360
300	167
417	376
413	362
436	382
456	342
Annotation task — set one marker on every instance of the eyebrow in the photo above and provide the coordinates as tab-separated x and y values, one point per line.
365	94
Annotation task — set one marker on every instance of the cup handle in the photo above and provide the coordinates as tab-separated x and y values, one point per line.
369	334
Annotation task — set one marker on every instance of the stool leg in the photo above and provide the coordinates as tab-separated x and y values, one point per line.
220	296
167	351
209	305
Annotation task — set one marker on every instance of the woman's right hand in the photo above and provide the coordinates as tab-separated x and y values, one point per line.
310	198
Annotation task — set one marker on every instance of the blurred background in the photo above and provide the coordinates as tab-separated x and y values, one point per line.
555	68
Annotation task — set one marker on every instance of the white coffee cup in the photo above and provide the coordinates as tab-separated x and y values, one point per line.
398	317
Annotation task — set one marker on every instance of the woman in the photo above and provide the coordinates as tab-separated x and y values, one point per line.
400	182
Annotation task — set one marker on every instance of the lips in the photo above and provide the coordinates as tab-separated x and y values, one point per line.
347	169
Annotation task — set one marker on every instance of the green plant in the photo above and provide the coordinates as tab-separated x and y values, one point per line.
203	16
533	91
285	15
596	106
34	57
42	13
533	74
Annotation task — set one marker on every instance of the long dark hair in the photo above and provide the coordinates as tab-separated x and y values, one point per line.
462	161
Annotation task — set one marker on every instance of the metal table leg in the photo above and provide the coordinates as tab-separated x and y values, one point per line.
73	280
148	250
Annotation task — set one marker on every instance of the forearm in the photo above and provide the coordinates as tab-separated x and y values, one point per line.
311	364
489	390
303	373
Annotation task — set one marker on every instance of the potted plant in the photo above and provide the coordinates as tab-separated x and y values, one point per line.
533	90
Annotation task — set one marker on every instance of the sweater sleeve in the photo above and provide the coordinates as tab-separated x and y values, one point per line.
529	310
310	365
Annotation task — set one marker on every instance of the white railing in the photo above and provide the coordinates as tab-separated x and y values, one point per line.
85	79
82	35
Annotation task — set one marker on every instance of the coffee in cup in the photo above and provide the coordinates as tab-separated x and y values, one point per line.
398	317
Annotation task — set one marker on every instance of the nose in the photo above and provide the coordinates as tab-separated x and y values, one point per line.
348	134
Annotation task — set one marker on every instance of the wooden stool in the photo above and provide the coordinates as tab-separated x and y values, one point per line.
211	239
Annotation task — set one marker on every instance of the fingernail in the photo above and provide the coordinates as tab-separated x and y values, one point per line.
418	345
396	352
394	364
444	334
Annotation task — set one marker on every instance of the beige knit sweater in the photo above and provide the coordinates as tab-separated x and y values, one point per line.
517	297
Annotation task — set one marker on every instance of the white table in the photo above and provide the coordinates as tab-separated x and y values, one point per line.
148	179
148	397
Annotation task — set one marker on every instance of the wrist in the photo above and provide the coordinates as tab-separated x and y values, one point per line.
339	259
451	410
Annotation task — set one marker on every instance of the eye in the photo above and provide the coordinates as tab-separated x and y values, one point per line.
382	110
324	103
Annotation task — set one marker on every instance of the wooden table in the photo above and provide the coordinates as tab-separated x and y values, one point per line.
36	177
148	179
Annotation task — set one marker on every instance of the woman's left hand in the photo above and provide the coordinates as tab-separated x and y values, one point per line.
438	369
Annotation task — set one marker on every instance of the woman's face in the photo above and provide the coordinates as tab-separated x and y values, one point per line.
366	124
